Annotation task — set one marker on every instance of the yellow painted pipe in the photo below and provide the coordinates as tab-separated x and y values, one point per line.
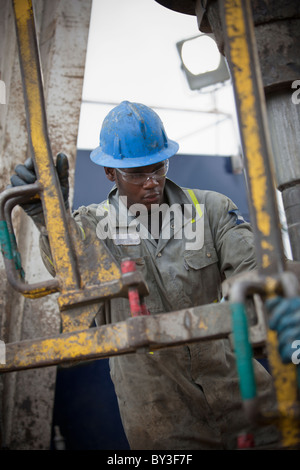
248	88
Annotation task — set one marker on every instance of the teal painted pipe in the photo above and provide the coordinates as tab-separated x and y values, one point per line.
243	351
9	247
5	240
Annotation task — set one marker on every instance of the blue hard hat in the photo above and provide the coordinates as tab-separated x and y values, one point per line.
132	135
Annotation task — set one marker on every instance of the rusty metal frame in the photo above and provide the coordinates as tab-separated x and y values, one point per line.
241	52
81	287
80	291
8	200
142	334
79	301
80	295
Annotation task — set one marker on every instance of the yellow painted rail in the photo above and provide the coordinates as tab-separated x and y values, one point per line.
240	49
54	210
86	273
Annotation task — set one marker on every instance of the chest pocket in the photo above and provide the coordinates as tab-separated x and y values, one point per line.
134	252
203	280
201	258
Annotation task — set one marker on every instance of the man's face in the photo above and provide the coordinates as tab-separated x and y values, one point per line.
137	188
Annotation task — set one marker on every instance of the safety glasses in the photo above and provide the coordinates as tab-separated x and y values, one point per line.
142	178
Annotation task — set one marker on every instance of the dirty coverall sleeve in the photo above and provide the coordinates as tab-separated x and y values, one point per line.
232	235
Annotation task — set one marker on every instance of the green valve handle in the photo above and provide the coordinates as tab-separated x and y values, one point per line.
243	350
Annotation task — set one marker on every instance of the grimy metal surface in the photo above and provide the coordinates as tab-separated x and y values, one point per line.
241	52
250	104
81	286
12	259
81	283
142	334
55	215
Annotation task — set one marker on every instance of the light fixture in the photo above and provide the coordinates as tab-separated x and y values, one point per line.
202	62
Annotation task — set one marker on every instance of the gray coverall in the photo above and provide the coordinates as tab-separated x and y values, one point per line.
185	397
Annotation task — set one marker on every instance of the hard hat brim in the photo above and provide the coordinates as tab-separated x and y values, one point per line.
103	159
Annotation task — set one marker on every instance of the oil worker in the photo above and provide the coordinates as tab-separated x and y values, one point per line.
185	397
